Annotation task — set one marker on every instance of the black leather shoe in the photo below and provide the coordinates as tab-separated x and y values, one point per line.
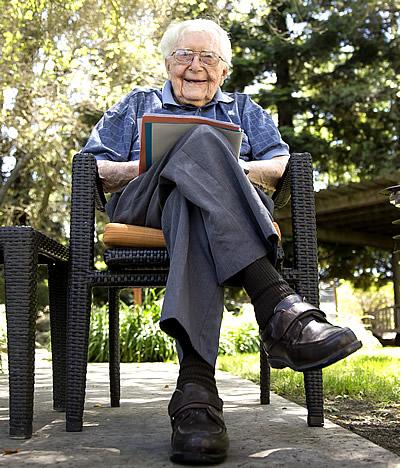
199	434
299	336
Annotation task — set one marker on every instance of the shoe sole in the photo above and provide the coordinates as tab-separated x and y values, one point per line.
195	458
341	354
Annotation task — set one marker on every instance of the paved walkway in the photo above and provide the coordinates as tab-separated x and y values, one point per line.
138	433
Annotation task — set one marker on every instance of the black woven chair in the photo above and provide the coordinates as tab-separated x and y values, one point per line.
22	249
142	267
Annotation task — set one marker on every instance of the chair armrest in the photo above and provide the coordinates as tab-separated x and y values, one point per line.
296	185
298	168
281	195
100	199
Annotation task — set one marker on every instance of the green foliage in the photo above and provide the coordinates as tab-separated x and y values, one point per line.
242	339
234	299
141	339
239	331
62	63
362	266
98	350
330	71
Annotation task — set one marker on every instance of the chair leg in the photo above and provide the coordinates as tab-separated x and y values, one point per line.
114	331
57	290
314	397
264	377
306	263
78	328
20	272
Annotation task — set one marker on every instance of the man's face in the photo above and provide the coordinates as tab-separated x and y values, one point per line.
196	83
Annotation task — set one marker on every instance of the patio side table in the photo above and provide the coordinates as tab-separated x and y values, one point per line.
22	249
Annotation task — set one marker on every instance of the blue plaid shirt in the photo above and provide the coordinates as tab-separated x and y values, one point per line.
116	135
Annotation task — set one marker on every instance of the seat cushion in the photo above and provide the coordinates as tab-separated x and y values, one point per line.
126	235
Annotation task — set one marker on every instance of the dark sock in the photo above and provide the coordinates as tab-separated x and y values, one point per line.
266	288
194	369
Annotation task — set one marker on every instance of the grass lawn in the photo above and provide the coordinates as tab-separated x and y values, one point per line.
361	392
368	374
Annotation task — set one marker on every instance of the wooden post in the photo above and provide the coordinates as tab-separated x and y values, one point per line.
137	294
396	288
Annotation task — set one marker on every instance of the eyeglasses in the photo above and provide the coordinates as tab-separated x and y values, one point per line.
186	56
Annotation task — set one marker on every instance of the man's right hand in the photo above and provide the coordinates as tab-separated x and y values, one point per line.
116	175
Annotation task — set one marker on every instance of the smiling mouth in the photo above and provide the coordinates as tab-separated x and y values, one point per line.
195	81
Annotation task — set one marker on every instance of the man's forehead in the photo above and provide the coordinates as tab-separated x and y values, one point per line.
206	39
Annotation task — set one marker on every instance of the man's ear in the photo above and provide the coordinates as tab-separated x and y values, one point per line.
225	74
167	66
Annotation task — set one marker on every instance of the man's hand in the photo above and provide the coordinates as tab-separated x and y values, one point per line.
266	173
116	175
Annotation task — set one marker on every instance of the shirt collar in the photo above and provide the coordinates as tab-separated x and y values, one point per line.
168	97
220	96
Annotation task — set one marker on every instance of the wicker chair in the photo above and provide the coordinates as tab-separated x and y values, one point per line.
148	267
22	249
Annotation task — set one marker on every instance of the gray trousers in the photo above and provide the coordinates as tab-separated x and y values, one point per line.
215	223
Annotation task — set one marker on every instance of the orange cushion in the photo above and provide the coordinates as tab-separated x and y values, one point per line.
126	235
277	230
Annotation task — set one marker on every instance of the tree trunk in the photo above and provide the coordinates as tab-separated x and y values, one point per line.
21	162
285	103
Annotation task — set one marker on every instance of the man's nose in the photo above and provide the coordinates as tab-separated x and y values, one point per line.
196	63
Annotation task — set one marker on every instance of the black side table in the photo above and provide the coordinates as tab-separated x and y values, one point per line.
22	249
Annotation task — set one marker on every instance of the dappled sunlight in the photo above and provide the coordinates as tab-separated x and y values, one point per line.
266	453
90	424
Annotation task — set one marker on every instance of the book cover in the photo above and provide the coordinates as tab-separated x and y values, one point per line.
160	132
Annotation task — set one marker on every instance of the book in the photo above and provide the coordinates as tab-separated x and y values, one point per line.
160	133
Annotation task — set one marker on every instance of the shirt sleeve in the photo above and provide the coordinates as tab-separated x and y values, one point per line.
115	137
263	135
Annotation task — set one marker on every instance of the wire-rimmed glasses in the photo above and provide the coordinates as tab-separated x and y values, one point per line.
186	56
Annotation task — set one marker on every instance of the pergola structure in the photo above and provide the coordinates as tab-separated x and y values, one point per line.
357	214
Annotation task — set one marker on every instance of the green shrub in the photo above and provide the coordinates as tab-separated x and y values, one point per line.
141	339
239	333
243	339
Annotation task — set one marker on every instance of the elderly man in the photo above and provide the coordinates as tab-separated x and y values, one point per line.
217	223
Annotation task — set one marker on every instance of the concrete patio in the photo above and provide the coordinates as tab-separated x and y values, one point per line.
138	433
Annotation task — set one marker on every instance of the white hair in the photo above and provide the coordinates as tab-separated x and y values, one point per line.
175	30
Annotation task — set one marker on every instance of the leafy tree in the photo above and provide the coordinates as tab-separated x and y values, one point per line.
362	266
329	68
60	61
62	64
